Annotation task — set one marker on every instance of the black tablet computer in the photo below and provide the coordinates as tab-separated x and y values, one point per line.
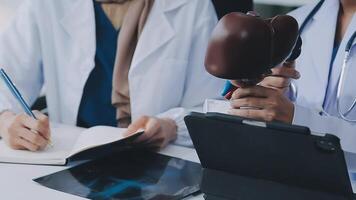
250	160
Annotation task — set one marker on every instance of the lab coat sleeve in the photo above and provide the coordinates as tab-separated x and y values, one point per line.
320	124
199	84
20	56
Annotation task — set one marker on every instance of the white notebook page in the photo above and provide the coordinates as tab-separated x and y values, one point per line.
67	141
63	139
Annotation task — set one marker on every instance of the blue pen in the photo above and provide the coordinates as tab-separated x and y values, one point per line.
16	93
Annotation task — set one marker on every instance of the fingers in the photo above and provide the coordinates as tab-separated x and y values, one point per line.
250	102
152	128
256	91
286	72
39	126
24	144
263	115
24	132
150	125
158	132
33	138
281	77
254	103
136	125
276	82
262	103
42	125
15	141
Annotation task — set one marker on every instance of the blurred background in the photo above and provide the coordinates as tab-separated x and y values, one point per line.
264	7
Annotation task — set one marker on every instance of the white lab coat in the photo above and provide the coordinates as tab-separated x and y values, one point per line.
314	65
52	43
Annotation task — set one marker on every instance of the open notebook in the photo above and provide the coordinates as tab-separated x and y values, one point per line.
67	142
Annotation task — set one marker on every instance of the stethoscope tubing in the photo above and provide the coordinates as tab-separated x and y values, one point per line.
341	83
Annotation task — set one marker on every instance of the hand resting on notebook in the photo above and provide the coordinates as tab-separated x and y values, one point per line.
159	132
22	132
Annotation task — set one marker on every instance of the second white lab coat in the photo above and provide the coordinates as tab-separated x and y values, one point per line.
314	66
52	43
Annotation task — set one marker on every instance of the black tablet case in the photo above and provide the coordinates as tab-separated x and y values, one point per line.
278	161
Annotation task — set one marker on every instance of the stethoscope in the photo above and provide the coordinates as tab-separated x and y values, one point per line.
341	83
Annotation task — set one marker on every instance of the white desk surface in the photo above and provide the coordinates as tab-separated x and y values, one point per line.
16	180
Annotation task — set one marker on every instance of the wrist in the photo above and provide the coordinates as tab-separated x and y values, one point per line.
291	114
171	128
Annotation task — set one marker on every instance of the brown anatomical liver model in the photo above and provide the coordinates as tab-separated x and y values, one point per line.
245	46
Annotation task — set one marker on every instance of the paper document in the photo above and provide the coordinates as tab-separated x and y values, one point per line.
218	106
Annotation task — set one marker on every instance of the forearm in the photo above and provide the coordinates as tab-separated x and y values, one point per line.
177	116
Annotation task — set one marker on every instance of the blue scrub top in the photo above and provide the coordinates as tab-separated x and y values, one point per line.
95	107
329	101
